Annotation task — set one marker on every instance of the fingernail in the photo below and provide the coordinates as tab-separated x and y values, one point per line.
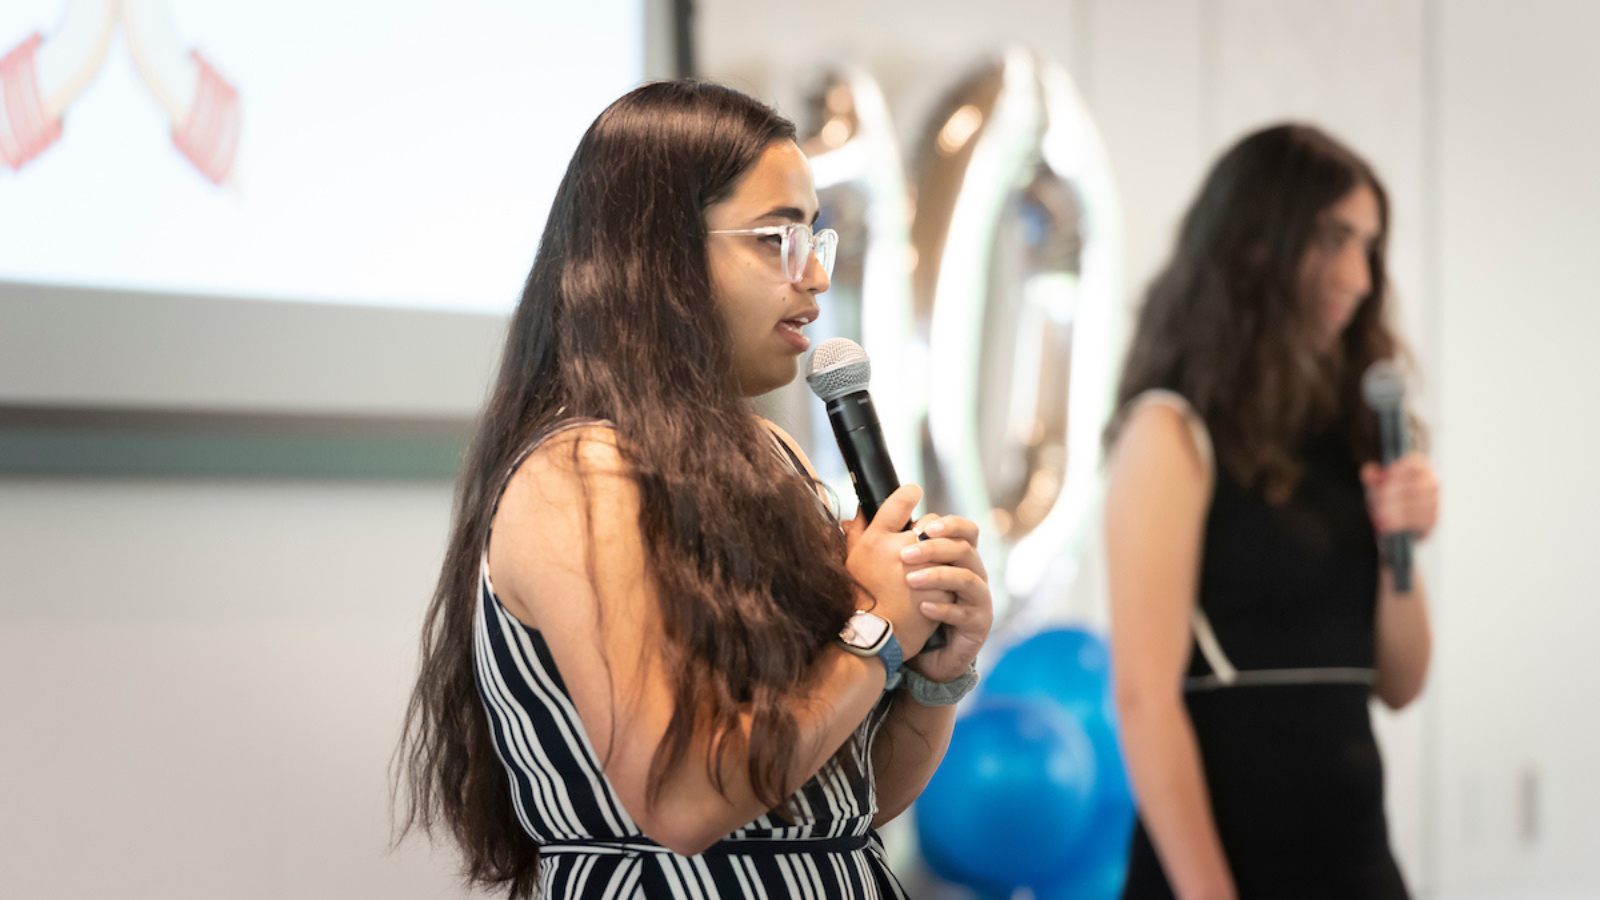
911	553
936	527
918	577
928	606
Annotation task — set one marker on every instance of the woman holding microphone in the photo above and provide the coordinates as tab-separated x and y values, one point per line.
1252	616
654	664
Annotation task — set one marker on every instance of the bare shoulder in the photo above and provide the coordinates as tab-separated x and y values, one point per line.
1159	441
569	473
569	506
576	452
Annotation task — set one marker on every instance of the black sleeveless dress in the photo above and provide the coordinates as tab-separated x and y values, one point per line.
1279	679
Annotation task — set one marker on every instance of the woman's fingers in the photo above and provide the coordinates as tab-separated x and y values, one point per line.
949	586
958	580
961	617
966	616
1404	496
953	527
896	511
943	551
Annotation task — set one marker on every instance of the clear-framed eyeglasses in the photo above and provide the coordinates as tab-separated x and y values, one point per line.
797	244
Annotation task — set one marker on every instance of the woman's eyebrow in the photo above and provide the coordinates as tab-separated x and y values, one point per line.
1337	227
792	213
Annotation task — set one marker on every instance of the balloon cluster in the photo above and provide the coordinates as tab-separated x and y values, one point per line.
1032	791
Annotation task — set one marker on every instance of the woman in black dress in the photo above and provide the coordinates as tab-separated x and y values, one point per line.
1252	616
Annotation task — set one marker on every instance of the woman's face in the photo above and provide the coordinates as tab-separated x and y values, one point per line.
765	311
1336	272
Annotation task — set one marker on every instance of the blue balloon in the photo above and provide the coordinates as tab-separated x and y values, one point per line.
1012	798
1114	791
1070	669
1099	866
1068	666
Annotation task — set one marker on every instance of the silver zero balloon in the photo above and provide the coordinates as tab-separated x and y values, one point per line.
1018	235
990	312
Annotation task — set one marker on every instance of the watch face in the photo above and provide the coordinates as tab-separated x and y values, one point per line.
865	631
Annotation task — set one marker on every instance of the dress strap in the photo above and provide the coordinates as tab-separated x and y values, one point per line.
827	502
1180	404
788	454
1205	637
1222	669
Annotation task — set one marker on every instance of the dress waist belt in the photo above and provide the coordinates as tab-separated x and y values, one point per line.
1260	677
633	846
1224	675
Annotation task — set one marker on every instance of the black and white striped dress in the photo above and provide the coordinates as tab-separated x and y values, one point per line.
590	846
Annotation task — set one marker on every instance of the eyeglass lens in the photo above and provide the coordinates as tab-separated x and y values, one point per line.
799	244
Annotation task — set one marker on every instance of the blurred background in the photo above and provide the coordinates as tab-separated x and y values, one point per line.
234	385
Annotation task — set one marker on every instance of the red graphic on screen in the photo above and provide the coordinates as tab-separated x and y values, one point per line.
41	77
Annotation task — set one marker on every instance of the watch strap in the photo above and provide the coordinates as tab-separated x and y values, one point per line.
894	659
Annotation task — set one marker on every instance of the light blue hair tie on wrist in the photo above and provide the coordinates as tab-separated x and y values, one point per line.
940	693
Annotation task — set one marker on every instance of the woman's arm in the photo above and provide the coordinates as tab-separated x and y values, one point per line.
1156	504
1402	497
1405	641
563	511
906	753
952	586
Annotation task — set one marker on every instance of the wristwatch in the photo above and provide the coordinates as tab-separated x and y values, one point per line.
869	634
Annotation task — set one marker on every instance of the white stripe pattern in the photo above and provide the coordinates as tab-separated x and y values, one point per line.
562	797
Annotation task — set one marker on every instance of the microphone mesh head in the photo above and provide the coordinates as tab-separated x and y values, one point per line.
1383	387
838	366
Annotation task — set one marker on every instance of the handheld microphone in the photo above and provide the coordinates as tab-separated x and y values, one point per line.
1385	392
838	375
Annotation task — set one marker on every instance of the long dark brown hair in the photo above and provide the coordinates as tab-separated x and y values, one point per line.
1226	324
618	322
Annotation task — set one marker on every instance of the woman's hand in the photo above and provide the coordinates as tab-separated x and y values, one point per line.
951	586
874	560
1403	496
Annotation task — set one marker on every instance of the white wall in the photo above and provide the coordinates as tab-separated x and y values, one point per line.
201	684
1517	787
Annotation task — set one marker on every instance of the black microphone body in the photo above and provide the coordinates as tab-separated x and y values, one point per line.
1392	437
839	375
1385	393
866	455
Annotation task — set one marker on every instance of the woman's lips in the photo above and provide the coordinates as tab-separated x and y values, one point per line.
790	329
